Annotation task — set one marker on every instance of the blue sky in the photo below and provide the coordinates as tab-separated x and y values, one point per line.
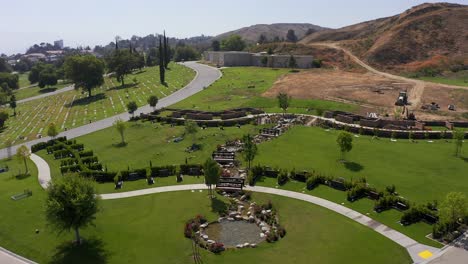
91	22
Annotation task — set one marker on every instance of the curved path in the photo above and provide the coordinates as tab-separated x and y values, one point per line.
413	247
32	98
415	93
205	75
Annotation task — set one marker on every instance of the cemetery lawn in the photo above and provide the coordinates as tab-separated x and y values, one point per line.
243	87
151	228
422	171
151	142
23	80
72	109
36	90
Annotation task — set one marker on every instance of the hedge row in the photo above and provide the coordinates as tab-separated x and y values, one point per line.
163	171
43	145
191	169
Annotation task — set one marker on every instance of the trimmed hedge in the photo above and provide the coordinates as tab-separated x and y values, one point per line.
191	169
88	153
163	171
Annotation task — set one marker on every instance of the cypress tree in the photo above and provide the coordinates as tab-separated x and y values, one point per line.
162	70
166	53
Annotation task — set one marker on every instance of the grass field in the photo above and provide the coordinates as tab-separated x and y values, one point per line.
151	142
421	171
73	109
23	80
243	87
462	81
150	228
35	90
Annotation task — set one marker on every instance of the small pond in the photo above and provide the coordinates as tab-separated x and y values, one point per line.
232	233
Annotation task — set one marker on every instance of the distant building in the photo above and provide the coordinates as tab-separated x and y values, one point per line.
35	57
241	58
58	44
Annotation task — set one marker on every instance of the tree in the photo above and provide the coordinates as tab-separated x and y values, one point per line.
317	63
309	31
250	149
283	101
167	51
453	208
162	69
153	101
33	76
132	107
191	128
291	36
292	62
3	118
345	143
264	61
13	103
120	126
233	43
11	81
212	173
4	66
71	203
52	130
262	39
47	78
85	72
121	63
185	53
215	45
458	136
23	154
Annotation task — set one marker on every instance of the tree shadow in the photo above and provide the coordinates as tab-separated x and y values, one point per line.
218	206
120	145
22	176
353	166
120	87
47	90
87	100
90	251
465	159
139	72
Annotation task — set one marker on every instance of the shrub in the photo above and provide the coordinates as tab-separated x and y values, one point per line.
283	178
271	237
216	248
163	171
281	231
88	153
314	181
356	192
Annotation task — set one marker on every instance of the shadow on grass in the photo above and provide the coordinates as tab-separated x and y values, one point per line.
90	251
87	100
22	176
353	166
139	72
218	206
47	90
120	87
120	145
465	159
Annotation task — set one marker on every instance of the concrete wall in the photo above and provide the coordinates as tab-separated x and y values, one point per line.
238	58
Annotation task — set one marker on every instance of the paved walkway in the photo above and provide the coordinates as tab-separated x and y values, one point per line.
414	248
43	170
8	257
205	75
62	90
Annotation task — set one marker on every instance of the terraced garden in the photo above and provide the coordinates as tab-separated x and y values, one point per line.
72	109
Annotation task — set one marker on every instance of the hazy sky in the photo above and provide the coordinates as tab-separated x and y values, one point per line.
91	22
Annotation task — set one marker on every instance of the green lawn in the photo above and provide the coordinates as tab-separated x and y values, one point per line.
72	109
151	142
150	228
243	87
23	80
421	171
36	90
461	81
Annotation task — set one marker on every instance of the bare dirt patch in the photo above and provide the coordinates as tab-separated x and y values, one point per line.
366	89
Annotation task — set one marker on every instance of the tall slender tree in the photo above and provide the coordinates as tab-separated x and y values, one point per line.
162	69
13	104
166	51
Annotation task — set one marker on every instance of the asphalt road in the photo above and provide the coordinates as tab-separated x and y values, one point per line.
205	75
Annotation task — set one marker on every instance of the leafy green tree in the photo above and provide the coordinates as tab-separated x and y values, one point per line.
345	143
152	57
283	101
291	36
47	78
233	43
120	126
250	149
33	76
458	136
11	81
71	203
3	118
292	62
85	72
13	103
132	107
317	63
262	39
23	154
453	208
121	63
212	173
52	130
215	45
153	101
186	53
191	128
264	61
4	66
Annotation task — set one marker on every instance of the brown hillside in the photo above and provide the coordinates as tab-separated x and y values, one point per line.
428	34
251	34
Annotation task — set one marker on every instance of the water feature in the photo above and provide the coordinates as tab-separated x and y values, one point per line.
232	233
